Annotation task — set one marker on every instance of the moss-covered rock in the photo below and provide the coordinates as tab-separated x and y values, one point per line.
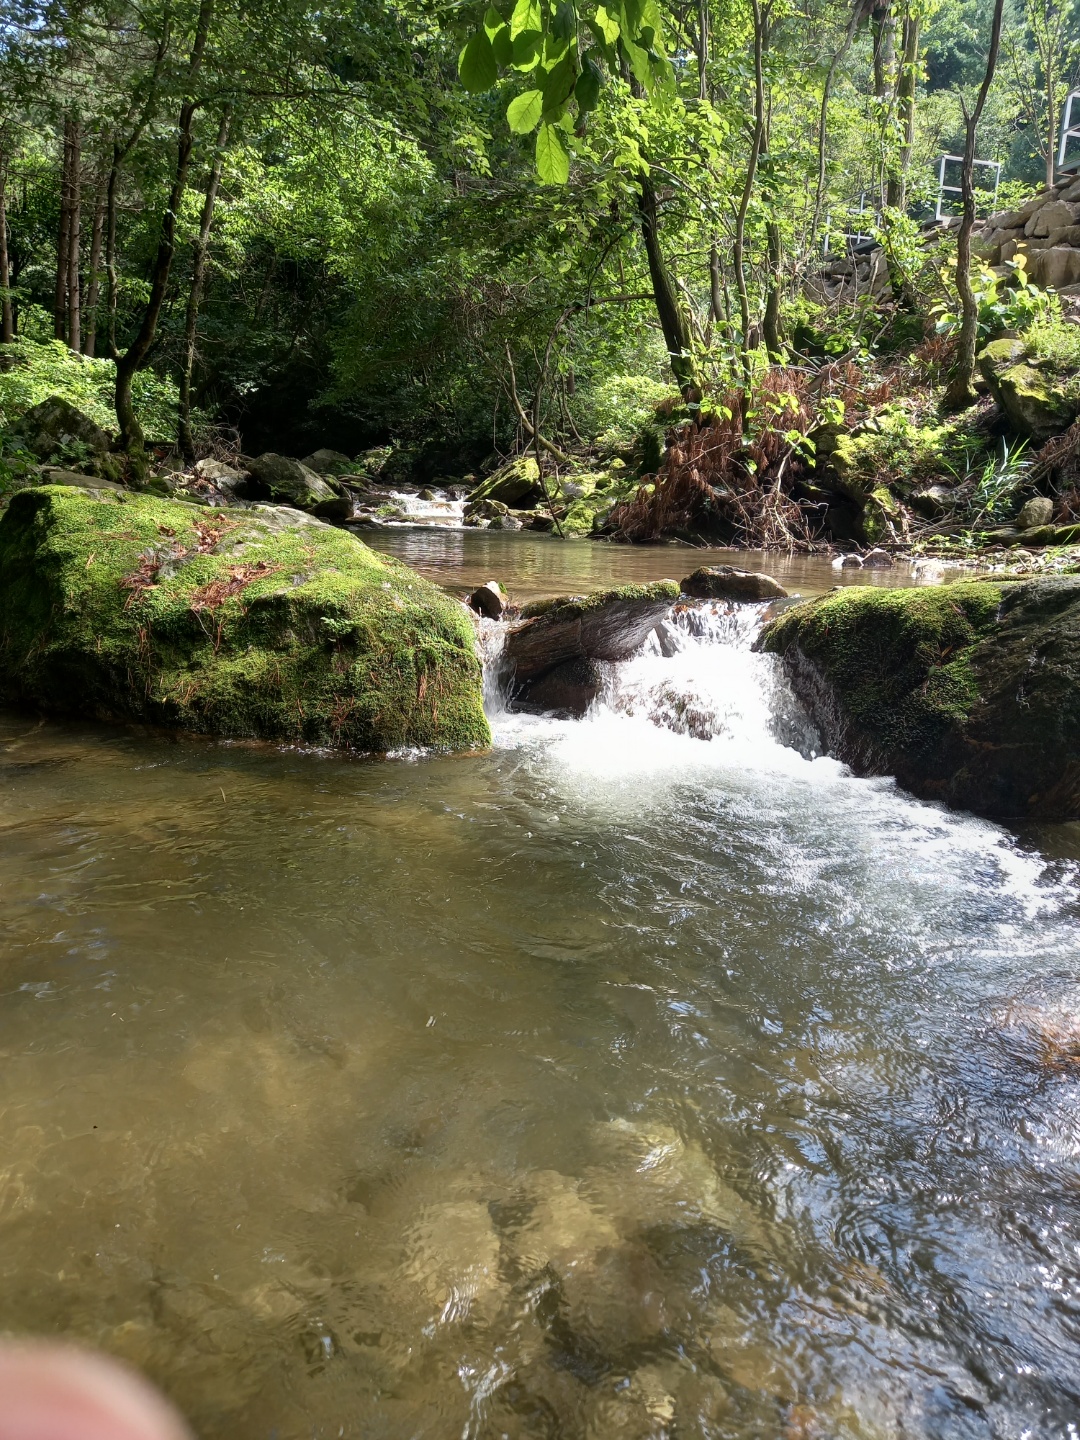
968	693
260	622
516	484
1035	401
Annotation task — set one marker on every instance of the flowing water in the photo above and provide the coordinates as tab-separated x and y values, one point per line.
616	1083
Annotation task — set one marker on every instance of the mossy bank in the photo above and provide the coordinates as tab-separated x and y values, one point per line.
968	693
245	623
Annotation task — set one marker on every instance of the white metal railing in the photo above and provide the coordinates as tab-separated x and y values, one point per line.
1069	131
944	189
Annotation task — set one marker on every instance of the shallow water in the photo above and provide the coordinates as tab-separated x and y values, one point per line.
530	564
614	1083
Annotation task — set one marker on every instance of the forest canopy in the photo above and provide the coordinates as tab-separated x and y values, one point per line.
357	223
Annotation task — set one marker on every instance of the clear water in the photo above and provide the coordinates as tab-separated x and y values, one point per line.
616	1083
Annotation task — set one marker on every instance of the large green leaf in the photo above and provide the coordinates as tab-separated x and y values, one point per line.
526	16
502	47
557	88
526	50
552	161
523	112
476	64
587	89
607	25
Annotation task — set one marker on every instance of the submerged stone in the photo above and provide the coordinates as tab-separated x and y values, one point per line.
261	622
968	693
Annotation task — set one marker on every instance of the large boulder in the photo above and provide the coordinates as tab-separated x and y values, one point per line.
968	693
724	582
516	484
1055	266
1033	402
260	622
327	462
56	429
569	630
289	482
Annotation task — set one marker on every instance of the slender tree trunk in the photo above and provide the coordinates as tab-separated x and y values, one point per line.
739	254
884	32
131	434
1051	120
703	49
960	392
74	318
823	120
673	322
896	189
774	340
95	271
198	276
7	318
716	303
62	243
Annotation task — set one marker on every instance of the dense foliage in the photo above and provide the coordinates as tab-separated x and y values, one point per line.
454	227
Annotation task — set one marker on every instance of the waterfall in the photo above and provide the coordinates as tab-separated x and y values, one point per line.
697	676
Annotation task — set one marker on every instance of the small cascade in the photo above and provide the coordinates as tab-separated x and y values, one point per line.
441	510
697	676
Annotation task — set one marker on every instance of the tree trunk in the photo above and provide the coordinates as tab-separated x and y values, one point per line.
716	303
198	276
703	49
826	93
774	340
131	434
896	190
960	392
62	243
1051	120
74	318
95	271
673	322
7	319
739	254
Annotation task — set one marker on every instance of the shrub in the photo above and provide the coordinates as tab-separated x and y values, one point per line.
50	368
614	411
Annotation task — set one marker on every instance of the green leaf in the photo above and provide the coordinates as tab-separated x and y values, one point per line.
552	161
526	50
476	64
607	25
492	21
502	47
557	87
587	89
526	16
523	112
565	22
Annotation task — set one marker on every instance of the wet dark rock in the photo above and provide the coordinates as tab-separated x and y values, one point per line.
337	509
609	625
426	493
489	600
877	560
968	693
287	480
569	689
724	582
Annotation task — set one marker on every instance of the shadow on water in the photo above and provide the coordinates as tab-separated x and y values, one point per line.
615	1083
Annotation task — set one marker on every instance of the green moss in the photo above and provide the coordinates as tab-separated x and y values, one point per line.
240	623
570	606
898	661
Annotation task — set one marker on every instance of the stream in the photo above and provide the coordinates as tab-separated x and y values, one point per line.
647	1076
